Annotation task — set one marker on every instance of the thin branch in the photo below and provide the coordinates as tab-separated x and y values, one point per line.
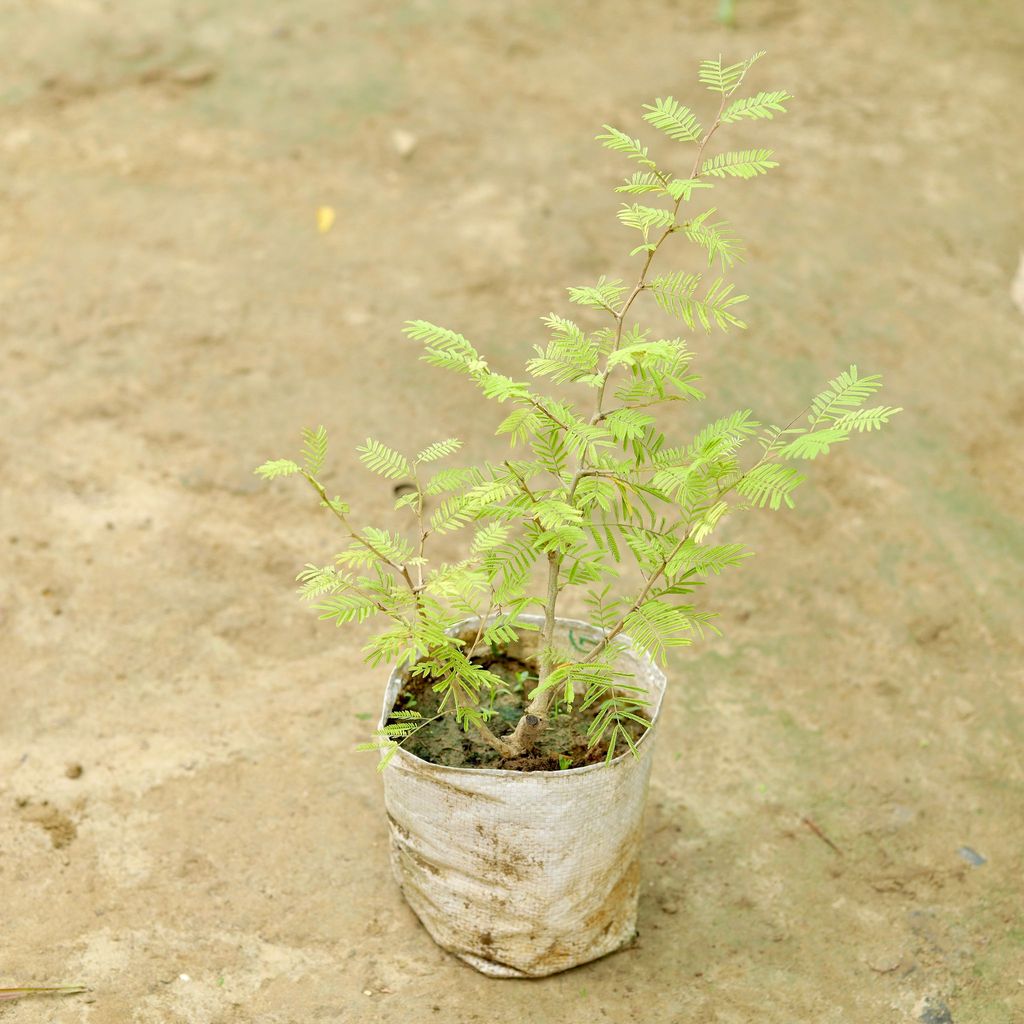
319	488
526	731
522	482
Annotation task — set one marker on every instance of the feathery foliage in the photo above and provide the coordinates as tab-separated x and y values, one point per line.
746	163
675	120
594	498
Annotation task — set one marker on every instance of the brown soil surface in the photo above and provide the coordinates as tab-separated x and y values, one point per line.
562	745
171	315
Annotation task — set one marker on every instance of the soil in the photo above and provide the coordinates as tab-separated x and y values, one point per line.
562	745
170	315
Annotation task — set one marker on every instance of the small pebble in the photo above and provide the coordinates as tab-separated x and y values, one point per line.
972	856
932	1010
73	771
193	74
367	991
885	964
184	977
1017	288
964	708
404	143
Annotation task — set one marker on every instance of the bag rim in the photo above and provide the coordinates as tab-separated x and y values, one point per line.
413	761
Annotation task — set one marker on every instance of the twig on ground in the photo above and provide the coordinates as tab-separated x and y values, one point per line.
809	822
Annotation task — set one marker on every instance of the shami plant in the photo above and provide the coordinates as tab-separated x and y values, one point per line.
592	482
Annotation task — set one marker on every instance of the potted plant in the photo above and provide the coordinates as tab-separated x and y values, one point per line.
517	741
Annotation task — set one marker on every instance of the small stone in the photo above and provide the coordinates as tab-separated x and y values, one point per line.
404	143
1017	288
885	964
963	707
932	1010
670	908
972	856
193	74
73	770
184	977
367	991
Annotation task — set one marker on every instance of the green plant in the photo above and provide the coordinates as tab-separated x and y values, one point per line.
586	486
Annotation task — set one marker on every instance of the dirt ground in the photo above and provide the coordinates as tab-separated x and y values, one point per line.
171	316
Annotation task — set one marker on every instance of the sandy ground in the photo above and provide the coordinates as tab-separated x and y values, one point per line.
171	316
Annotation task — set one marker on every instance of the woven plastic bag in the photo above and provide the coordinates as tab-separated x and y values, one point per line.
523	874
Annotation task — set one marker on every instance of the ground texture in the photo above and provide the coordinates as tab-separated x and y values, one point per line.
178	795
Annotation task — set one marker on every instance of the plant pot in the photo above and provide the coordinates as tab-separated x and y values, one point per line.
524	874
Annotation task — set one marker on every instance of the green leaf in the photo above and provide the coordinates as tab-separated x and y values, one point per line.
445	348
509	568
700	561
344	608
411	499
727	248
746	163
551	451
763	105
770	484
845	392
452	514
620	142
317	581
439	450
337	505
588	567
813	444
865	419
502	388
643	181
676	294
709	520
643	218
676	121
553	513
725	80
314	449
656	626
277	467
604	295
383	461
569	356
489	537
520	424
583	438
628	424
723	436
452	479
390	545
683	188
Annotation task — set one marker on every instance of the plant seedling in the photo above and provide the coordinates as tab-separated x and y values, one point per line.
596	497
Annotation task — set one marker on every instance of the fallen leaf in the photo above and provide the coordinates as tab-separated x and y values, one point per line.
324	219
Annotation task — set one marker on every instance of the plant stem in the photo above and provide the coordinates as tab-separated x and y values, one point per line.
422	531
319	488
532	723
